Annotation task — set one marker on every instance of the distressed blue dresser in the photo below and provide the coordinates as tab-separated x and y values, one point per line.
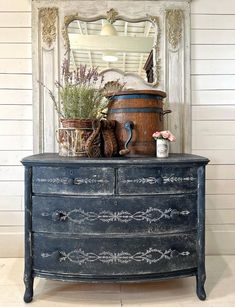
114	220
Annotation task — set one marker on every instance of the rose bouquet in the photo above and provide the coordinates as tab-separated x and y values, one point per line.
162	141
166	134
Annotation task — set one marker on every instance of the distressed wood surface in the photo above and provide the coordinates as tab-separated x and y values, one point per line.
133	215
97	236
114	256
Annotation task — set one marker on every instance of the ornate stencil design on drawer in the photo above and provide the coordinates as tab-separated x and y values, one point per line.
73	181
142	180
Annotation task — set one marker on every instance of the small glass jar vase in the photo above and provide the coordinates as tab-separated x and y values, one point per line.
162	148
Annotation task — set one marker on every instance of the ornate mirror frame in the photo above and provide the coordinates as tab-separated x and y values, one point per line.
112	15
172	71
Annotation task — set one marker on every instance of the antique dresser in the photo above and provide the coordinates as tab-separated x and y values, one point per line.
114	220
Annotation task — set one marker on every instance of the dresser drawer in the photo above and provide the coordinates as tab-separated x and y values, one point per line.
175	213
114	256
152	180
73	181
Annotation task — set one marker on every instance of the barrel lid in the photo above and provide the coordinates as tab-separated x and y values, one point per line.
131	92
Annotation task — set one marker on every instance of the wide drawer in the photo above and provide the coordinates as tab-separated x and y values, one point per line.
114	256
160	214
73	181
151	180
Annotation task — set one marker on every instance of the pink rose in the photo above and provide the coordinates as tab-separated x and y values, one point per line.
156	134
165	134
171	137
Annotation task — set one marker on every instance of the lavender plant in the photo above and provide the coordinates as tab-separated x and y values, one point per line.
80	92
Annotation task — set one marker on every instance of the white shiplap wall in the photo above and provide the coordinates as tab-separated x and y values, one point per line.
15	119
213	113
213	99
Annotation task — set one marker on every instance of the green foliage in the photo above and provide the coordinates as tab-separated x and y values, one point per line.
81	101
80	93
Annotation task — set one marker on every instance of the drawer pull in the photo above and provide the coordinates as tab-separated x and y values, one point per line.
151	215
151	255
59	216
78	181
160	180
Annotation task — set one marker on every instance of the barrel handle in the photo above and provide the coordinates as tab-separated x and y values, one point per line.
129	126
164	113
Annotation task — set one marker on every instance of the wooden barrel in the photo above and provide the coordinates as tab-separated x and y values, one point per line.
145	109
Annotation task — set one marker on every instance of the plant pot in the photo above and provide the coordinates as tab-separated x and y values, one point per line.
162	148
73	135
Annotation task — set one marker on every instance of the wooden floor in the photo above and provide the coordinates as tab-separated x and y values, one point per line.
220	289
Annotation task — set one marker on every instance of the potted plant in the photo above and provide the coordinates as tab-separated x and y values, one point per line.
81	104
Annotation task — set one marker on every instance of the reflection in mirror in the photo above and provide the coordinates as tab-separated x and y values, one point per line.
119	45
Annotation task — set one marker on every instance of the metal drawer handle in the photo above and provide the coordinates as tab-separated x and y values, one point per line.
78	181
58	216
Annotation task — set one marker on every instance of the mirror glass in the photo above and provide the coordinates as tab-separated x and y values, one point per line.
120	45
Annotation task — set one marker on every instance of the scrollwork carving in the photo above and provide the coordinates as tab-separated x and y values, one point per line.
48	16
112	15
174	22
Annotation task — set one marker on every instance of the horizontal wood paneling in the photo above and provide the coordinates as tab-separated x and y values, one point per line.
11	203
11	188
15	5
12	239
21	128
220	216
16	142
213	21
217	156
15	19
212	67
15	81
221	172
16	112
220	187
216	52
212	97
11	218
13	157
11	173
205	128
15	35
212	7
14	66
213	142
220	201
212	82
219	242
14	96
218	113
16	51
223	37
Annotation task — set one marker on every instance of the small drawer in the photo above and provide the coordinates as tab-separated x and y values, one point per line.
73	181
114	256
157	180
75	215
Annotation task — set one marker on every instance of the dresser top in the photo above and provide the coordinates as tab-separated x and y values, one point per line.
55	159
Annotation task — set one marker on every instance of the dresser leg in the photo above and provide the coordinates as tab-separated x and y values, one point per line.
201	293
28	295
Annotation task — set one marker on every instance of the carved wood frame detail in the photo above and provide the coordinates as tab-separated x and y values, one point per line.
172	18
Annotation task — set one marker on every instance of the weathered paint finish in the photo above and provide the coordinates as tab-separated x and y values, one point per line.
115	215
28	271
72	181
114	256
114	219
152	180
